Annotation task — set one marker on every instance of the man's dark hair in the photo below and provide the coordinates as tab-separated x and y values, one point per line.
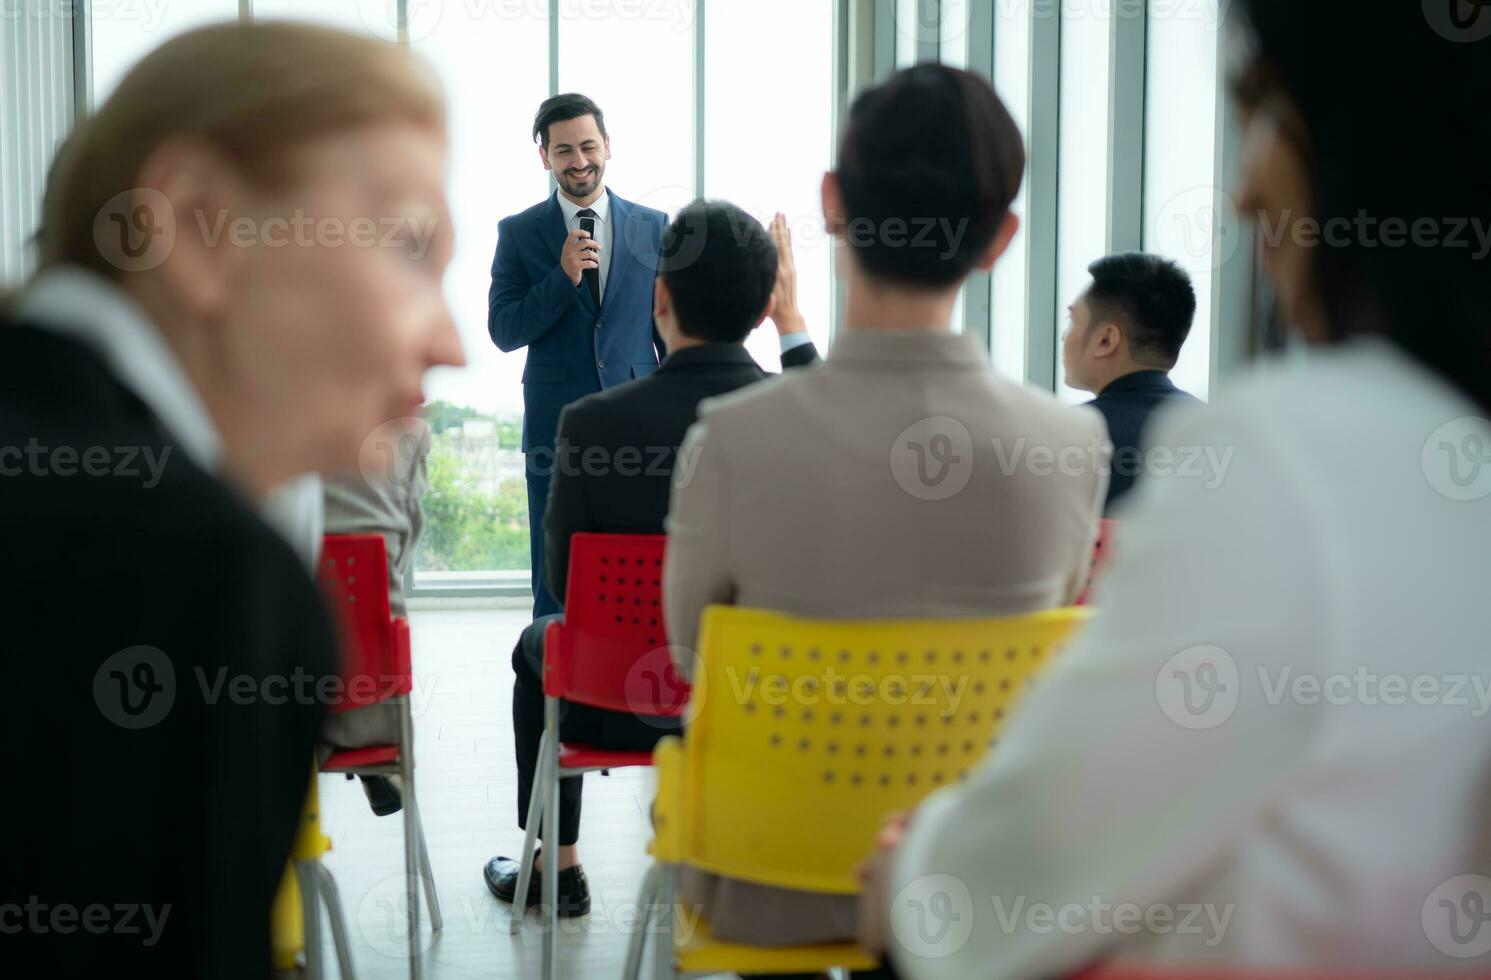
1150	297
928	166
720	267
563	108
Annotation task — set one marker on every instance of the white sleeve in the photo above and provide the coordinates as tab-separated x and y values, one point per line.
1127	773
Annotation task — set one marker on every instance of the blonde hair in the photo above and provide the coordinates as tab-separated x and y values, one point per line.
255	92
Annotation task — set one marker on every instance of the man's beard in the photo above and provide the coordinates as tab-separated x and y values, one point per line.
580	186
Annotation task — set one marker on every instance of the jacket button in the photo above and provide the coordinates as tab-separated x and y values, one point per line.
603	365
599	324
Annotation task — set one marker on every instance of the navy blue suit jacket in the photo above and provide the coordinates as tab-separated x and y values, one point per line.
574	349
1126	404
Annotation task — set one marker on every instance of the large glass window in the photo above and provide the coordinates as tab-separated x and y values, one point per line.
477	508
908	15
376	17
637	61
1012	82
1082	170
770	161
953	39
1181	204
123	33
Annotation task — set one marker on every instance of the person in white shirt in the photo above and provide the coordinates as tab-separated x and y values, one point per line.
1271	749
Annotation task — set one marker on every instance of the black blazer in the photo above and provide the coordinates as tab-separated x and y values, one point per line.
191	815
1127	404
613	463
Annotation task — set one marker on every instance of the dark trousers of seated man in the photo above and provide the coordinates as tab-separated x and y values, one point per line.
577	723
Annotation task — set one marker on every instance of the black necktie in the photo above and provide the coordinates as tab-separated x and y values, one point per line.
592	276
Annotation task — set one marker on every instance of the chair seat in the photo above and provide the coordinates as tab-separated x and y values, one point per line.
577	755
351	760
702	953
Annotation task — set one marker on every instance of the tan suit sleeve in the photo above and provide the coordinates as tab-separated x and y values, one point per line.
1098	437
697	571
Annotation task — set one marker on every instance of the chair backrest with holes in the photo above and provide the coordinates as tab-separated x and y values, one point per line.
804	734
354	579
614	646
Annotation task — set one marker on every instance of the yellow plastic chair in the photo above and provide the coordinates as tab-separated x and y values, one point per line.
838	720
296	916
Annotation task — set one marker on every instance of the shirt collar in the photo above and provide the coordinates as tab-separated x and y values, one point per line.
938	349
707	354
82	305
601	207
1148	380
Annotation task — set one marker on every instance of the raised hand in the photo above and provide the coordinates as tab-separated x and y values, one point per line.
785	315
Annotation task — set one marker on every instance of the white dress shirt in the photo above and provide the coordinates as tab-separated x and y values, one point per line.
604	230
1278	719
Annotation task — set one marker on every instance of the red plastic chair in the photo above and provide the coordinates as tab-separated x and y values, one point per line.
1102	553
375	668
610	652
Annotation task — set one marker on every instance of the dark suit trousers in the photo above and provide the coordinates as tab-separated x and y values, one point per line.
539	466
577	723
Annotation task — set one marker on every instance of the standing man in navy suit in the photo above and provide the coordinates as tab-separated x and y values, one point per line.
573	282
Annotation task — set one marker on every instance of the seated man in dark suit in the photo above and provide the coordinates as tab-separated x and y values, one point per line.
1125	336
720	277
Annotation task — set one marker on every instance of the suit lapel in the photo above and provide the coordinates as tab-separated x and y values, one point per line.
554	230
622	260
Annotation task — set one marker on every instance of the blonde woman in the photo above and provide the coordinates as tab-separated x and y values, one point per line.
240	280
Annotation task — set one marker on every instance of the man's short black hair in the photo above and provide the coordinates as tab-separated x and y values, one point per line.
928	166
563	108
720	267
1150	297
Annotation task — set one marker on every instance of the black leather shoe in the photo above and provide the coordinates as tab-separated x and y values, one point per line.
383	795
501	874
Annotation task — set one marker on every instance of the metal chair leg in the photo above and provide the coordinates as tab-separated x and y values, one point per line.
411	843
310	914
331	895
536	799
427	873
638	940
550	892
662	963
